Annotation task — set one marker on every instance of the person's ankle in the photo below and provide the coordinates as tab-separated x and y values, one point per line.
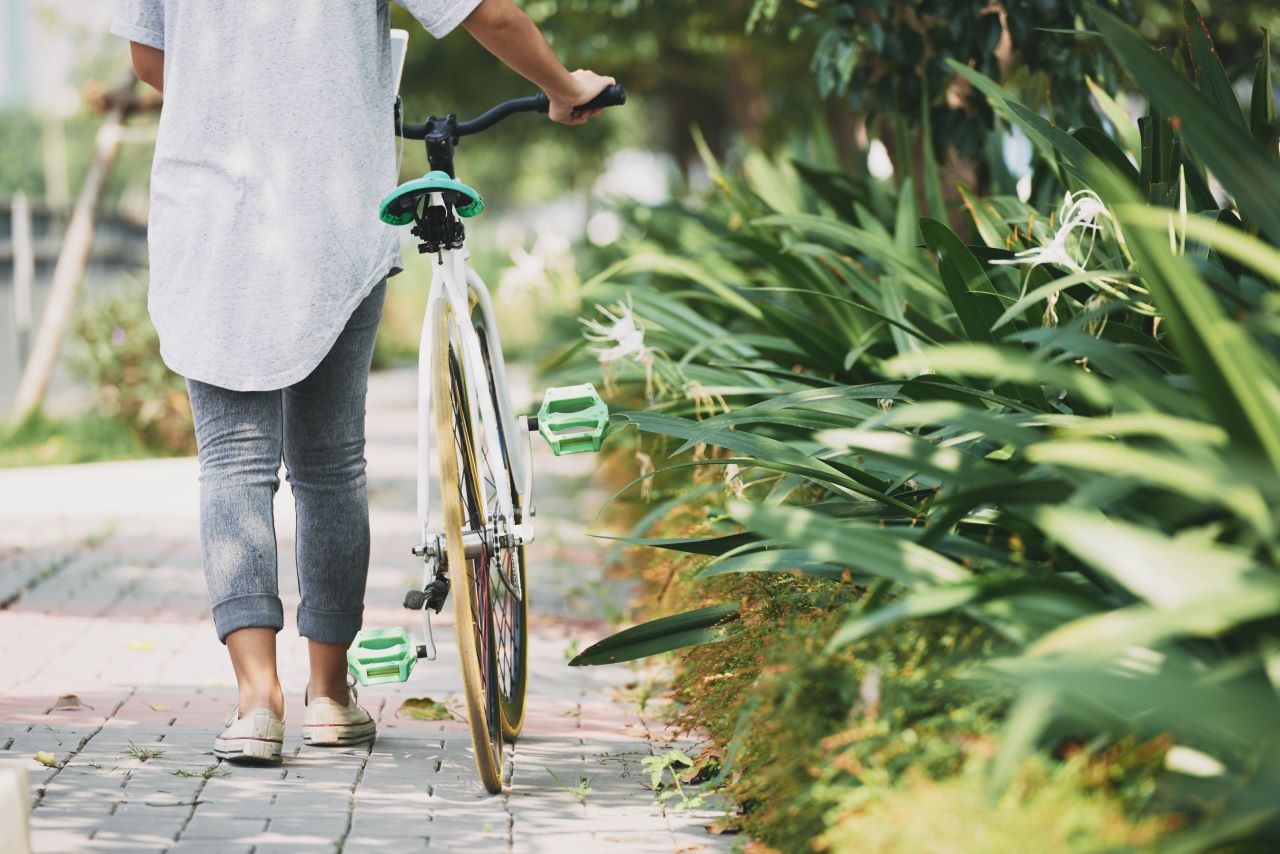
336	691
253	697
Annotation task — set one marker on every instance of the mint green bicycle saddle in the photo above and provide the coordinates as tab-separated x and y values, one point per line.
398	208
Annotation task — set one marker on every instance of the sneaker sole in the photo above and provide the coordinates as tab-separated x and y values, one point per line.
248	750
338	735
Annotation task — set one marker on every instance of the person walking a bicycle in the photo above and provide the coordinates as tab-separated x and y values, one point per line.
268	273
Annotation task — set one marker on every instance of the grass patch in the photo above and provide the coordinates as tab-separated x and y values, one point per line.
205	773
40	440
578	791
141	753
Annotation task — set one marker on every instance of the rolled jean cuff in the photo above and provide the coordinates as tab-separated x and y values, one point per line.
329	626
249	611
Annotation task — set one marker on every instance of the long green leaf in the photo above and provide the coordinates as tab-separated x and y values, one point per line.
998	364
1118	116
1112	632
1164	572
944	464
1187	477
967	284
774	560
861	546
1229	151
768	453
705	625
1262	106
668	266
1231	242
1230	370
1209	71
690	545
1053	142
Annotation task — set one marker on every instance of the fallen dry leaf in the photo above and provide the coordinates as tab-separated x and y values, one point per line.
69	703
721	828
425	709
156	708
46	758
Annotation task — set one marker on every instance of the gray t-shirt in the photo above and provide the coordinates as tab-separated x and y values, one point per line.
276	145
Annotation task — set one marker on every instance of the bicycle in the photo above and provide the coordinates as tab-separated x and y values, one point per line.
486	479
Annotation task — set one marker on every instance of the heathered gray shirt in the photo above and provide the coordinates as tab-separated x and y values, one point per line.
275	148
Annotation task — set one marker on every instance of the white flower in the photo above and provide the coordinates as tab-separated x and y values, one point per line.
1080	212
624	331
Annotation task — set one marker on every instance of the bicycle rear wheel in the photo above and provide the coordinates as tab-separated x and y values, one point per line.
462	493
507	575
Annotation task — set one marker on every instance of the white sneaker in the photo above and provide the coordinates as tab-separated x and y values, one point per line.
327	723
256	737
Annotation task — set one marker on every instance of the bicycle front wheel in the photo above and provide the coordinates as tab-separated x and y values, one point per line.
462	493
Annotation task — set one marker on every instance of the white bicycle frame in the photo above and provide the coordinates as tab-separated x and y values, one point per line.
455	284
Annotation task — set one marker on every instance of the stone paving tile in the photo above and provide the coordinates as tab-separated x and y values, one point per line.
209	846
111	587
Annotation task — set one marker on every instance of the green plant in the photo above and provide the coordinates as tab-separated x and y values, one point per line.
890	58
1059	807
141	753
665	771
204	773
119	355
1064	435
41	440
578	790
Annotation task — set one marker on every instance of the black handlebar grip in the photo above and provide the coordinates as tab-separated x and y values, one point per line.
613	96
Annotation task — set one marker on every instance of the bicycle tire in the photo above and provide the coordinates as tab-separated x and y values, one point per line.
511	615
462	500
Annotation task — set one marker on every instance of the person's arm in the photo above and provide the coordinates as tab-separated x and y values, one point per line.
148	64
507	33
141	22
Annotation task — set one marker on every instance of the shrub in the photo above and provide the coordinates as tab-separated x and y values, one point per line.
1066	432
119	355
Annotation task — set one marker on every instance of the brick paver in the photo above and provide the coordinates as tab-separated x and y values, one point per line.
101	597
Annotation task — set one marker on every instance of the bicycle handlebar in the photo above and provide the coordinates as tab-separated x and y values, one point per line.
612	96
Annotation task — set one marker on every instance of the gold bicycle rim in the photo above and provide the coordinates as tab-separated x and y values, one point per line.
488	755
511	714
511	725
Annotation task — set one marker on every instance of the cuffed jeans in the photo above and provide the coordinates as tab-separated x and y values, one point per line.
317	426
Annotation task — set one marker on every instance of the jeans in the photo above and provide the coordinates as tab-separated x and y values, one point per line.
317	426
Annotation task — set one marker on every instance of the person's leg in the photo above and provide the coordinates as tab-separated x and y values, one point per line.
239	437
324	457
253	655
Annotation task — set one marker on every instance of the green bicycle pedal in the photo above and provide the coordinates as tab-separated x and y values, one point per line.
379	656
572	419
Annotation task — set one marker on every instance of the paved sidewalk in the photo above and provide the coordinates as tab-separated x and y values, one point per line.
101	597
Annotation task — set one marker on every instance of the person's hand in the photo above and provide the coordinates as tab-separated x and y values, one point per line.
585	86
